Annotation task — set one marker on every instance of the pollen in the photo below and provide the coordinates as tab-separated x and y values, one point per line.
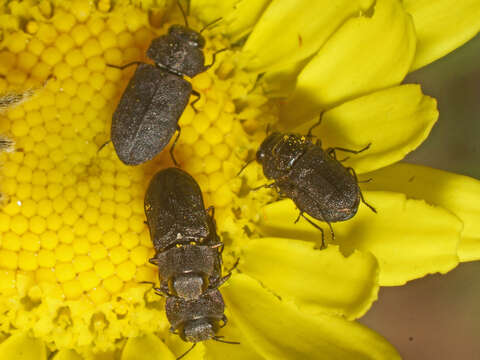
72	224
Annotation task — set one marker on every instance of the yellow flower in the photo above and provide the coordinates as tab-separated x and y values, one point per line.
74	245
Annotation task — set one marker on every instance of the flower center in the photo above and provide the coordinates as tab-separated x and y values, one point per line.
73	237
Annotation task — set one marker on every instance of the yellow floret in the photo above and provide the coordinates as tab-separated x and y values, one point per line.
17	42
8	259
82	263
19	224
32	27
64	252
64	271
27	260
20	128
72	227
51	56
11	241
104	268
72	289
30	242
88	280
46	258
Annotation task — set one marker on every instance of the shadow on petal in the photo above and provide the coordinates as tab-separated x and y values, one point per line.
395	121
67	355
278	330
434	21
317	281
366	54
409	238
22	347
457	193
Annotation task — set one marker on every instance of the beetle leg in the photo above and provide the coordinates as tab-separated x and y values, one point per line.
224	320
234	266
349	150
365	181
173	146
103	145
121	67
323	246
197	94
309	133
298	217
257	81
331	152
352	171
214	56
223	279
148	282
158	291
244	166
211	211
219	246
266	186
153	261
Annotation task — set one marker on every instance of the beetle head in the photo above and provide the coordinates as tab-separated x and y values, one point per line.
266	150
187	35
179	51
189	286
278	153
199	330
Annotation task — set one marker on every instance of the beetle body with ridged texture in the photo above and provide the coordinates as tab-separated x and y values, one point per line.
318	184
147	115
196	319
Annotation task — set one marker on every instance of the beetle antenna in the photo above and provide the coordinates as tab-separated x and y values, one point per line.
244	166
218	338
184	18
210	24
186	352
267	129
103	145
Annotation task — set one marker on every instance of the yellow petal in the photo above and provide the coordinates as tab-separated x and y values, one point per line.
244	351
22	347
281	82
316	281
364	55
178	347
395	121
409	238
238	17
442	26
146	347
457	193
292	30
67	355
278	330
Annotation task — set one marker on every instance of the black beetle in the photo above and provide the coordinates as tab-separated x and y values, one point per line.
176	213
156	96
188	255
313	178
188	270
188	249
196	319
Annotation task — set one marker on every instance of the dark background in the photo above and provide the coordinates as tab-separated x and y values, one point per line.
438	317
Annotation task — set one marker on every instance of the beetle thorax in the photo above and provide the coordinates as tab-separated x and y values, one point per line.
180	51
188	286
279	152
198	330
